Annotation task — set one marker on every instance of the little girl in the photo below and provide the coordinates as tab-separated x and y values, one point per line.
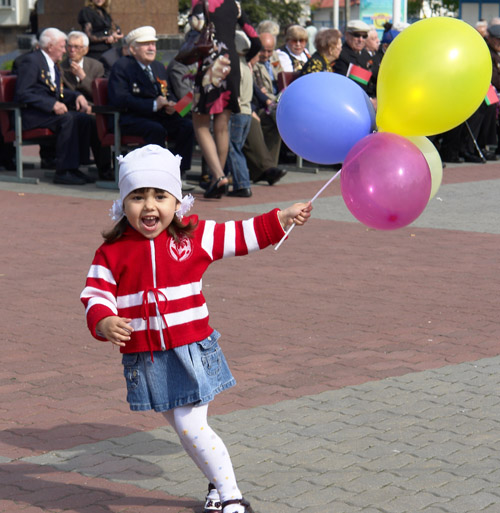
143	294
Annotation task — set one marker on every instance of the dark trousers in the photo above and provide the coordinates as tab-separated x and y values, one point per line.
177	130
73	134
7	155
262	147
483	127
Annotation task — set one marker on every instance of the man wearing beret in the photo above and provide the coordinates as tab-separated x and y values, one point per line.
138	83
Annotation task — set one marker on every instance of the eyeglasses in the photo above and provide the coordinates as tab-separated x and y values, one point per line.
364	35
75	47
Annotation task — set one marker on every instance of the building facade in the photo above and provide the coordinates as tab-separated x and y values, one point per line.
63	14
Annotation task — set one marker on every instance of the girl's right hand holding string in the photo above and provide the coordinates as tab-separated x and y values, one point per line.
115	329
298	213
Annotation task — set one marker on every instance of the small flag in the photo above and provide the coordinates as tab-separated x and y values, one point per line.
359	74
492	96
184	105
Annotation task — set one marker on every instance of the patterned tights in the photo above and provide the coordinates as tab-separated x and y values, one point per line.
205	448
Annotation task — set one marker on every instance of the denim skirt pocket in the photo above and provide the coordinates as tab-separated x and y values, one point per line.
130	363
211	355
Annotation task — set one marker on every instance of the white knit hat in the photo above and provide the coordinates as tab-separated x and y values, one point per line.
150	166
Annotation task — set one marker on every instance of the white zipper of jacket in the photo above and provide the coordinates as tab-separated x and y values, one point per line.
158	315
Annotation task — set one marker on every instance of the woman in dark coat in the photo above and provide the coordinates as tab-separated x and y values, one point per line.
97	23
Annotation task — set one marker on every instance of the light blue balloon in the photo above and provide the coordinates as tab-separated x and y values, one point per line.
321	116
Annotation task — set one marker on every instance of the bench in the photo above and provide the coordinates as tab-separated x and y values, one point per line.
15	134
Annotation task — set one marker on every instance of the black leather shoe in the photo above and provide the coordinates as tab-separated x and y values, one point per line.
273	175
453	160
81	174
490	155
68	177
8	165
107	175
48	164
241	193
469	157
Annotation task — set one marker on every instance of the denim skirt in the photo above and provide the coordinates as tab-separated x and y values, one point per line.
190	374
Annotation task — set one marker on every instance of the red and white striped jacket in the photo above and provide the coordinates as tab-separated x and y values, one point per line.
157	283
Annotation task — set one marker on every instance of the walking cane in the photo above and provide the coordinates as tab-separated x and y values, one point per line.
475	143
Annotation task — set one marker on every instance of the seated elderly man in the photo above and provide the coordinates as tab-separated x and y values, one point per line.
78	70
51	105
354	49
263	143
139	83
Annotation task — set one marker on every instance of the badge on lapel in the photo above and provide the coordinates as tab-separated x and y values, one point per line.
135	88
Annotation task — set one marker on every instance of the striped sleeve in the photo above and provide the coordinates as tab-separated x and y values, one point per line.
99	294
235	238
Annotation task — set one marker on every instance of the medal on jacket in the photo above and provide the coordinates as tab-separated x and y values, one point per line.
50	84
163	86
135	88
48	81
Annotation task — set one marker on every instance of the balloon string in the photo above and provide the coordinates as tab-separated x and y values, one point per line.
312	199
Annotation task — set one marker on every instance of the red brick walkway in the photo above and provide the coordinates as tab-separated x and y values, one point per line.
337	305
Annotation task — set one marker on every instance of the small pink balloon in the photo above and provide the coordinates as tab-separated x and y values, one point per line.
385	181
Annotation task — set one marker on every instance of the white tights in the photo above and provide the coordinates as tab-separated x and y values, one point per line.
205	448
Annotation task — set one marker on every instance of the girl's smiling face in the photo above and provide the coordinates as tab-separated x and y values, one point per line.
150	211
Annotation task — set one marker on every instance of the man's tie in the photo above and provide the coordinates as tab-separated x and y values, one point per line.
149	72
57	74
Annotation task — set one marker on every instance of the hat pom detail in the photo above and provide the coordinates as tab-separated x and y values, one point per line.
116	211
186	205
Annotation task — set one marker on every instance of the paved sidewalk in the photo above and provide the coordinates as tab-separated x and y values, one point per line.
368	363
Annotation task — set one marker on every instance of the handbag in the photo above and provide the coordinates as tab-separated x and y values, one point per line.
198	45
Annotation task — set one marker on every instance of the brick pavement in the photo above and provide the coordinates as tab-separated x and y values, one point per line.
367	362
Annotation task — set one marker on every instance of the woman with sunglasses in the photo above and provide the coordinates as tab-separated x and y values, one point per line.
293	54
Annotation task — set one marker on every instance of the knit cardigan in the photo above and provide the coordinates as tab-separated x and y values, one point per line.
157	283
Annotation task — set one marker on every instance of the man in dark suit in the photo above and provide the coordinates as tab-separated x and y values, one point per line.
51	105
78	70
353	49
139	83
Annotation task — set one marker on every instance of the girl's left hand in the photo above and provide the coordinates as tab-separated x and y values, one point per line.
298	213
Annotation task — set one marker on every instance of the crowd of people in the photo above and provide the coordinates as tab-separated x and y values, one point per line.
235	92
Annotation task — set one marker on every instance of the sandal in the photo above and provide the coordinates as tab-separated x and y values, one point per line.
243	502
215	190
212	504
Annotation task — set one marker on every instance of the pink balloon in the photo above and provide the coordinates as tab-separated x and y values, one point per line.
385	181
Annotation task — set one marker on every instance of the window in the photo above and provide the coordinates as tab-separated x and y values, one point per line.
5	3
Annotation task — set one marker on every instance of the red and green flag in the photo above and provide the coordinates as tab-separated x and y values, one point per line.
184	105
359	74
492	96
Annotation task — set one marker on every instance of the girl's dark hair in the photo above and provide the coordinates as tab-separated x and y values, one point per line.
177	228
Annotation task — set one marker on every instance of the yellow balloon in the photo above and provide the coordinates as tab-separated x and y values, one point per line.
433	160
433	77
